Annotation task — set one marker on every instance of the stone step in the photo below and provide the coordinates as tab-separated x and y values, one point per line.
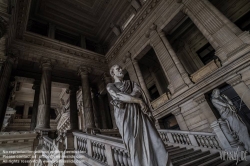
228	163
176	150
180	152
214	161
186	154
170	148
190	158
201	160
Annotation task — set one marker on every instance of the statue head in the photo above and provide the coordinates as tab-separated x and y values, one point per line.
116	72
215	93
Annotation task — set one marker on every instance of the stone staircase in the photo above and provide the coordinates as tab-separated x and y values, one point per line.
190	157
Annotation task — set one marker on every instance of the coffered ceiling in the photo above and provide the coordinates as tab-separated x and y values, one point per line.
91	18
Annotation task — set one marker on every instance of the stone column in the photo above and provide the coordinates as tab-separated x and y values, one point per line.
73	107
157	84
86	97
220	32
96	110
102	112
179	118
176	60
83	41
43	115
176	83
134	70
107	79
36	87
205	108
4	85
241	89
26	111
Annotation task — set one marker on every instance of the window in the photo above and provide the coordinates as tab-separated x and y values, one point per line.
206	54
38	27
67	37
128	21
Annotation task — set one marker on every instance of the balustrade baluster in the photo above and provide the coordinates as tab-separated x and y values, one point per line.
116	157
100	151
202	141
198	140
104	154
206	141
188	139
174	137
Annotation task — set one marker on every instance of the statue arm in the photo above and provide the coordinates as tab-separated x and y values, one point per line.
117	95
215	101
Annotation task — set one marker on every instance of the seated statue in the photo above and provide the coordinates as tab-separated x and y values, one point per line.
228	113
135	122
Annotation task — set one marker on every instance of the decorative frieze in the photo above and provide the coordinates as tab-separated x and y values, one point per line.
160	101
235	80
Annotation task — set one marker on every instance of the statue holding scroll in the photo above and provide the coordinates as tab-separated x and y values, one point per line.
228	113
135	122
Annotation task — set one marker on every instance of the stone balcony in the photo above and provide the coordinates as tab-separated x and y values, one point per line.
205	70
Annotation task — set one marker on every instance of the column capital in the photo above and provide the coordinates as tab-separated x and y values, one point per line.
127	57
72	89
82	70
176	111
161	34
200	99
46	63
235	80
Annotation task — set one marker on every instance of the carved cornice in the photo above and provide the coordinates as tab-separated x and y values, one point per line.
235	80
200	99
131	29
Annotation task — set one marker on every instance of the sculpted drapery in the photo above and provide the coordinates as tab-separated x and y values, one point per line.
135	124
228	113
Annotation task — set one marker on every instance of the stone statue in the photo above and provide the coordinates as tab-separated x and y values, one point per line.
228	113
135	122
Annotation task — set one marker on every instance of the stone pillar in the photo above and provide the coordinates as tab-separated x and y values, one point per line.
220	32
86	97
43	115
176	60
73	107
135	74
26	111
107	79
241	89
176	83
102	112
205	108
51	33
157	84
36	87
179	118
96	110
4	85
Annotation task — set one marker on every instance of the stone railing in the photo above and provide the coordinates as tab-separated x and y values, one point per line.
103	150
110	132
196	139
160	101
205	70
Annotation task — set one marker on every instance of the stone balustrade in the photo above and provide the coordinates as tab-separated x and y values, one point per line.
103	150
205	70
196	139
160	101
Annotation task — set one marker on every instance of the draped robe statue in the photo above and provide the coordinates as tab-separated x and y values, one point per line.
135	122
228	113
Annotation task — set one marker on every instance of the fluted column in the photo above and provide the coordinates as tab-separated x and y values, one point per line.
177	84
220	32
179	118
107	79
134	71
241	89
176	60
73	107
4	85
43	115
141	79
86	97
36	87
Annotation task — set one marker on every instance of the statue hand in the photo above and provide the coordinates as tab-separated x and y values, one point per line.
143	106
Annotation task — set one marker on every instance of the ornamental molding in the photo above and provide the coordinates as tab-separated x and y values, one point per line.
145	11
